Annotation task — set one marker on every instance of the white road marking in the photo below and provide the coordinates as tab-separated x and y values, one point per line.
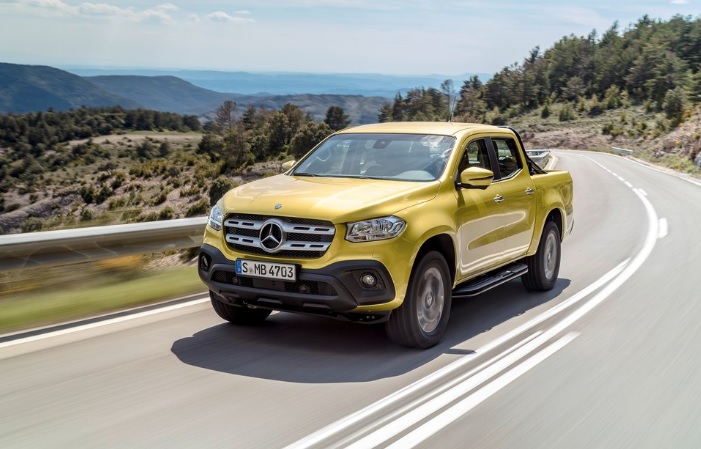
434	405
452	414
354	418
682	176
622	273
664	228
630	186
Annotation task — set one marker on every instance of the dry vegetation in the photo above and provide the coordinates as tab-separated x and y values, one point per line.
121	186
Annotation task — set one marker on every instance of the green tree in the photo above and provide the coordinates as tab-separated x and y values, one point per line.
336	118
219	187
385	114
673	104
308	137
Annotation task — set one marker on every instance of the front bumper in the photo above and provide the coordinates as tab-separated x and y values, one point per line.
332	290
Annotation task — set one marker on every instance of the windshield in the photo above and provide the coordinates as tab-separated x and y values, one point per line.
407	157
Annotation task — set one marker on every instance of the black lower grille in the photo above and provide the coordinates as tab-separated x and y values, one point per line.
316	288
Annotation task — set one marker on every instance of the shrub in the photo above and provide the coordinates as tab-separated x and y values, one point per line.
199	208
32	224
86	215
567	113
167	213
219	187
160	198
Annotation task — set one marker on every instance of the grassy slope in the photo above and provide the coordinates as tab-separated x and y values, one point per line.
650	135
65	303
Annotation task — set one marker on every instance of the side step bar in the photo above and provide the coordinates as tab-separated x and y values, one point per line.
482	284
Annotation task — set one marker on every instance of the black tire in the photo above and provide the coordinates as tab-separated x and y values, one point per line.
236	314
544	265
421	320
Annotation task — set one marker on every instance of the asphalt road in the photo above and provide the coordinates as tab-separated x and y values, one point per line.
610	359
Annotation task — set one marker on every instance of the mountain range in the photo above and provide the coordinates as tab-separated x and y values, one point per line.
286	83
29	88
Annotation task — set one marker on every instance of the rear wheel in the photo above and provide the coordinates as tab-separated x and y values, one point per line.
544	265
236	314
423	316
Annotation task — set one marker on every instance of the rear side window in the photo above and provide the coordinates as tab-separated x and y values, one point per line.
508	157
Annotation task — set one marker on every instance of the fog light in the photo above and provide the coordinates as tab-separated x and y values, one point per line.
304	289
204	263
368	280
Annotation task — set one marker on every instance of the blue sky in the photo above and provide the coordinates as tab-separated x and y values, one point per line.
416	37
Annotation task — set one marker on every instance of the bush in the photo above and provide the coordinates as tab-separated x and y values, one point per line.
87	215
167	213
160	198
567	113
199	208
32	224
219	187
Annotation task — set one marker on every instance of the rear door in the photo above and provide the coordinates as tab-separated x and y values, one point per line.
519	198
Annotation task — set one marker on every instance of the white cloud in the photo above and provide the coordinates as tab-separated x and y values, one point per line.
56	5
221	16
103	9
160	13
680	2
167	7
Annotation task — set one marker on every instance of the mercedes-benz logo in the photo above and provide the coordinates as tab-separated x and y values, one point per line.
271	236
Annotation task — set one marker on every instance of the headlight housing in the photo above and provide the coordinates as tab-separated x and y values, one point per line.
215	219
375	229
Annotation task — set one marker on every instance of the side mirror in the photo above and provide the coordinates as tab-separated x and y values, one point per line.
288	165
475	178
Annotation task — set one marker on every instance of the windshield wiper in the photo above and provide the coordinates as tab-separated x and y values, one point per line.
312	175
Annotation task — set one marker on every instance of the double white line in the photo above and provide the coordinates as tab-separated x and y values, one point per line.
475	386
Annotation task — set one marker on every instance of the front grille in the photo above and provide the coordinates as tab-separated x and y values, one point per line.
300	237
303	287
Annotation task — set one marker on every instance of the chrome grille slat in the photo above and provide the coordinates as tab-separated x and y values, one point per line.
305	238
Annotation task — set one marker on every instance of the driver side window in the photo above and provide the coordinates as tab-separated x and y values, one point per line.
475	155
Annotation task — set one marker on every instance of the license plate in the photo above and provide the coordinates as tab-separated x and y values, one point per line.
266	270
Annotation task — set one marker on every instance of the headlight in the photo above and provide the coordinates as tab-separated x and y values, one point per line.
215	219
376	229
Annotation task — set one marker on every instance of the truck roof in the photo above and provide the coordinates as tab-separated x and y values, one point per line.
443	128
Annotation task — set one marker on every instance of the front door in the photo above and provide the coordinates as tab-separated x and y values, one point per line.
481	231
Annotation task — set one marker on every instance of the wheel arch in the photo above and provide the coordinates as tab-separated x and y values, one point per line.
556	217
444	244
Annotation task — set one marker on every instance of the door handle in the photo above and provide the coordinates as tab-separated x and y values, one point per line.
498	199
530	191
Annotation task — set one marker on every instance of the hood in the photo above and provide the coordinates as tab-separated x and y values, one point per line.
337	200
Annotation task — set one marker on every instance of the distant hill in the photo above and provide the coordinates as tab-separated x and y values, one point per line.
25	88
162	93
283	83
172	94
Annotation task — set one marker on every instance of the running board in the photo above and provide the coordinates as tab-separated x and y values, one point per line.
489	281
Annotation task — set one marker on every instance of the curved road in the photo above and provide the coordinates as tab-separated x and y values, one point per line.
610	359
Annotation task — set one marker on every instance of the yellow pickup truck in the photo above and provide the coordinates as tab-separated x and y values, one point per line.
388	223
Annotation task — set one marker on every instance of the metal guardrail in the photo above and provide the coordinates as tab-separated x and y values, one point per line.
540	157
622	150
101	242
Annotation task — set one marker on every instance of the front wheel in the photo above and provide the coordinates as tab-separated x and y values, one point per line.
423	316
544	265
237	314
